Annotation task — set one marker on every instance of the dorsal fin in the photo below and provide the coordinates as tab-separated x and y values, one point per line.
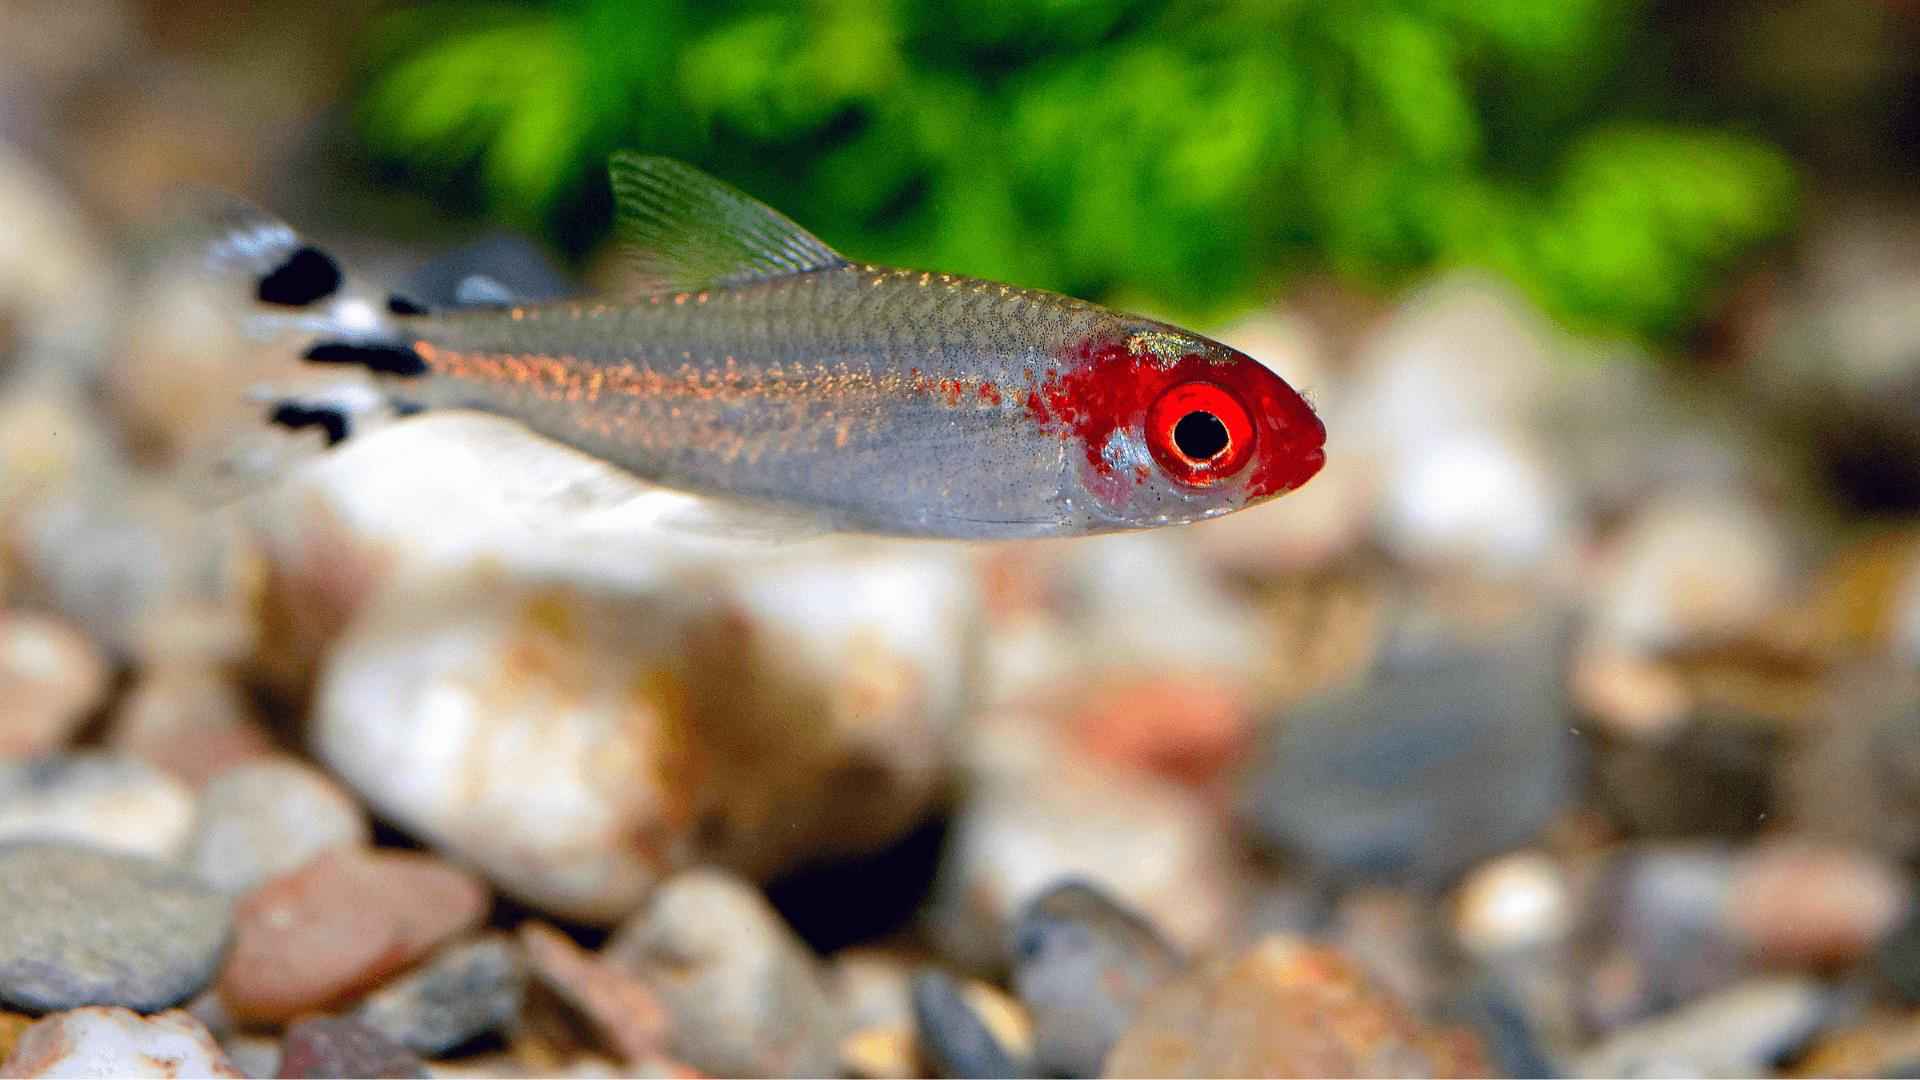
688	231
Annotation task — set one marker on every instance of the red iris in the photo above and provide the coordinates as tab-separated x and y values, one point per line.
1199	433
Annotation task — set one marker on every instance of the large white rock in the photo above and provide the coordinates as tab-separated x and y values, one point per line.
575	742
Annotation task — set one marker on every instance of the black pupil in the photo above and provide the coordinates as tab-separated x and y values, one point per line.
1200	435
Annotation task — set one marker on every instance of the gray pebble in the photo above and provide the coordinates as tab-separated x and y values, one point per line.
1440	757
1082	964
81	927
955	1040
466	991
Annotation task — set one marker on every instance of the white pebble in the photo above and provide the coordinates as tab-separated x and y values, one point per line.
1515	903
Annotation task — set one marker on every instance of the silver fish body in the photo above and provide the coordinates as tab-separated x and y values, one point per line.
874	399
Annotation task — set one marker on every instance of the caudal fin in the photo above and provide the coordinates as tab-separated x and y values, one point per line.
282	284
275	284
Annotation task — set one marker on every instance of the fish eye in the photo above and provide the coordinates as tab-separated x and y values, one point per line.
1200	433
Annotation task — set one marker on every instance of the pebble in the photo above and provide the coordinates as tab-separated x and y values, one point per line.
138	565
1444	410
1802	901
12	1026
188	720
1281	1008
1082	965
1517	903
1187	727
103	801
262	818
255	1055
1664	915
1512	1033
117	1042
1385	930
1141	602
338	925
451	712
467	990
1856	780
696	678
51	677
872	990
870	986
52	272
341	1046
1693	565
1742	1031
745	994
1632	695
1838	353
881	1052
856	652
50	440
1041	811
1716	778
627	1013
967	1029
1881	1045
1440	757
83	927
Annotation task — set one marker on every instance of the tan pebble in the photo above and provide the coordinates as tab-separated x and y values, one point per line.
1004	1018
885	1052
1281	1008
1799	900
189	720
1630	694
1878	1046
12	1026
628	1013
51	676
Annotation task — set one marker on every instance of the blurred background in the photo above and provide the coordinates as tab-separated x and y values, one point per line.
1574	703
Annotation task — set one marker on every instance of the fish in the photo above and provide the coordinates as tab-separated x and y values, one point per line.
742	359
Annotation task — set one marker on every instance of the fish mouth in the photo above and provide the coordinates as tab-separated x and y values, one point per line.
1299	458
1303	464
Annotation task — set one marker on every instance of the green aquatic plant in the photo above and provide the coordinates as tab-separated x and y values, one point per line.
1182	155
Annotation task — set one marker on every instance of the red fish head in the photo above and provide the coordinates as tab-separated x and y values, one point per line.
1171	426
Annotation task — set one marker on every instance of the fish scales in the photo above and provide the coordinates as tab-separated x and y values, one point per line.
852	378
754	363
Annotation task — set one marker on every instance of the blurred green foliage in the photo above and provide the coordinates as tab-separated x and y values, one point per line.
1183	155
